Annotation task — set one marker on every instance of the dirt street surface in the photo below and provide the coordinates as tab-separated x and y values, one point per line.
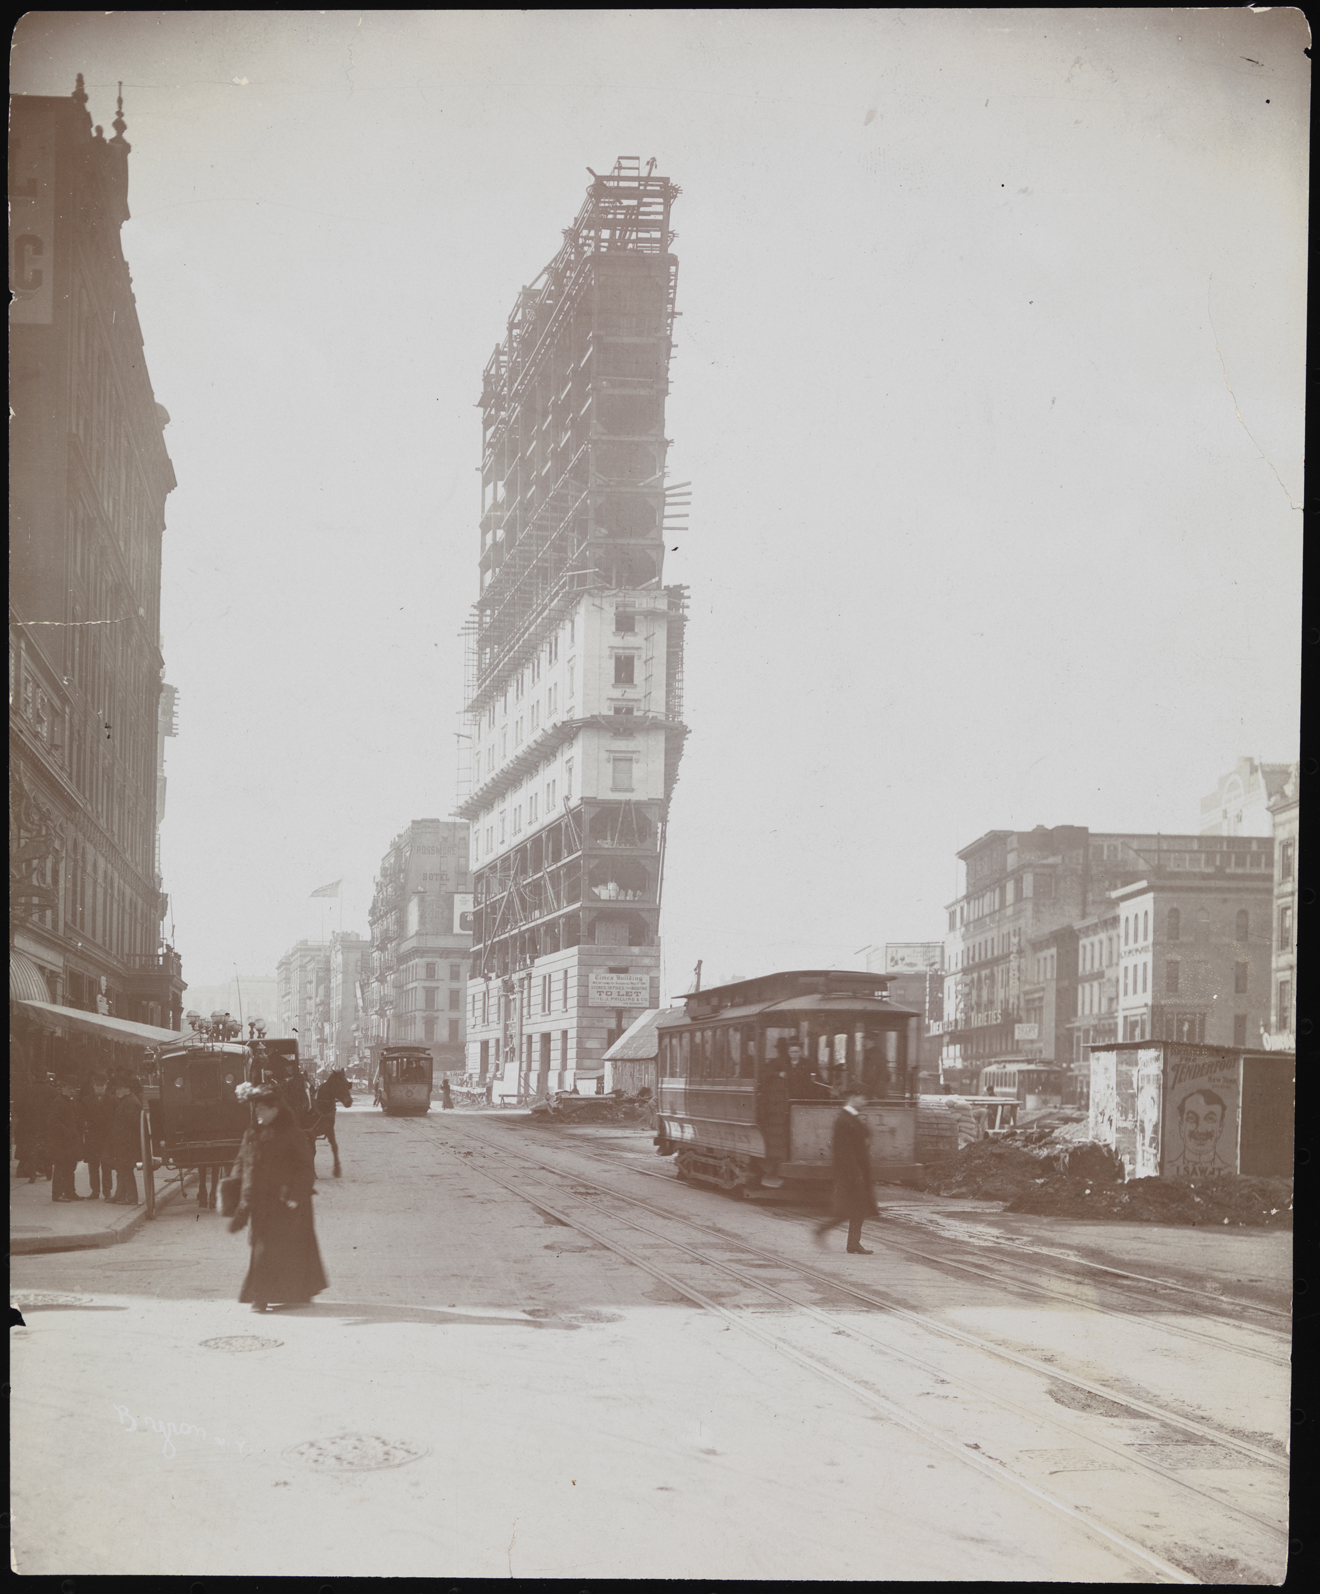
541	1355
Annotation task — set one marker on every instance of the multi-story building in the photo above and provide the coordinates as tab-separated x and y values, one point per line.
350	967
1194	960
1049	995
575	663
303	974
1007	966
1095	1023
1240	802
1279	1033
89	476
417	977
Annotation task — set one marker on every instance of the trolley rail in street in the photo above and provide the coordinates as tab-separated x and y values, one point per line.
1111	1455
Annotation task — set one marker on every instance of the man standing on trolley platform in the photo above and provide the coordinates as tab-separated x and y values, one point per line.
854	1194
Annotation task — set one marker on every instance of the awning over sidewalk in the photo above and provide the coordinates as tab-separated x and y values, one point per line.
100	1024
26	981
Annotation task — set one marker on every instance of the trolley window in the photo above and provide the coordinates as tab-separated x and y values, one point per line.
720	1064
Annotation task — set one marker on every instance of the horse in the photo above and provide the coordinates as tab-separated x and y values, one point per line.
320	1124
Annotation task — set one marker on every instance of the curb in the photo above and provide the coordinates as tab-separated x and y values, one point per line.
93	1240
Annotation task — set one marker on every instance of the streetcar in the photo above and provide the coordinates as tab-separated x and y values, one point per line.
1031	1083
730	1117
404	1077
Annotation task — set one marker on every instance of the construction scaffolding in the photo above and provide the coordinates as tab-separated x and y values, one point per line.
573	460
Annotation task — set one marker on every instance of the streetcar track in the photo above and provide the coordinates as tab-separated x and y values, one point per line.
976	1342
924	1431
1059	1259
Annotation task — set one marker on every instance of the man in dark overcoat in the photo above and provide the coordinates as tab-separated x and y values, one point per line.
98	1113
854	1195
126	1142
65	1138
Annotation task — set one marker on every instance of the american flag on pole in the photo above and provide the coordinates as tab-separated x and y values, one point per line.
332	890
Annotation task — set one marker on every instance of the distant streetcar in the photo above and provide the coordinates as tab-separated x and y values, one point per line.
404	1076
1032	1084
724	1113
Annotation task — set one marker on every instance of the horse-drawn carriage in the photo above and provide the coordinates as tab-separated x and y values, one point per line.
192	1117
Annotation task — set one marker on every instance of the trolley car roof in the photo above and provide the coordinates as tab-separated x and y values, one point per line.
810	1002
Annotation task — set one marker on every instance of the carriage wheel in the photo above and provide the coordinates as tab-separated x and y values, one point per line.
148	1176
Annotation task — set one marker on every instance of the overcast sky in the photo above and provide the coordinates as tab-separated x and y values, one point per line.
989	383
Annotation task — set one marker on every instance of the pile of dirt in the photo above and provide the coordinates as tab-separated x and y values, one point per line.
1041	1171
616	1108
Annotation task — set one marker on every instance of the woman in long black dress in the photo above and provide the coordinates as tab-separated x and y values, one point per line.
277	1172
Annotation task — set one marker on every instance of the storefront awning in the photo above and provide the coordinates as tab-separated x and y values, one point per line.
26	981
100	1024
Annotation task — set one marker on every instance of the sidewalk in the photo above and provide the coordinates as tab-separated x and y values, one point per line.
36	1223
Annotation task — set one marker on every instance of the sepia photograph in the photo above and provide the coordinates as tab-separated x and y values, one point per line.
654	727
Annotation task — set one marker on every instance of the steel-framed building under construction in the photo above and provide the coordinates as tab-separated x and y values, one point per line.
574	688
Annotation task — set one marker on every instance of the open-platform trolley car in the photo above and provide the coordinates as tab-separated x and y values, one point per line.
733	1114
404	1076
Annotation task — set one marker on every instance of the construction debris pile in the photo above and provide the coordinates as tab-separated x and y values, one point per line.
616	1108
1044	1170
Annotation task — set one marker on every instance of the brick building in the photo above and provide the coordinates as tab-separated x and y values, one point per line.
1194	959
1037	905
417	976
89	476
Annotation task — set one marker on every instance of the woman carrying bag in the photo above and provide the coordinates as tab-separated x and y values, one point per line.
274	1176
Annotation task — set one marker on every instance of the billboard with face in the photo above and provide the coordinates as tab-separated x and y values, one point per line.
1200	1116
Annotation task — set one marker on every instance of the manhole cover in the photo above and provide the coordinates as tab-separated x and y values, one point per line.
357	1452
46	1298
237	1343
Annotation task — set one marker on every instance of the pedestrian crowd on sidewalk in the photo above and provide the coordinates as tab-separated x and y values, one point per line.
57	1123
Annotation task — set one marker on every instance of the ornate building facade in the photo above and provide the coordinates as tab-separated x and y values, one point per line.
89	478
